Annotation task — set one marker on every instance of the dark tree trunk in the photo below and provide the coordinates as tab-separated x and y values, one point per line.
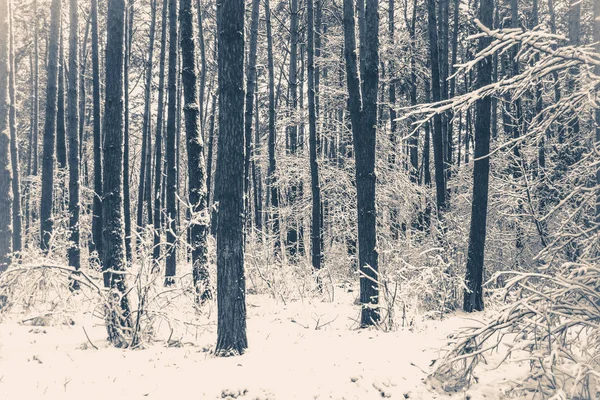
126	175
158	159
14	145
114	262
256	175
231	283
250	86
202	83
36	93
97	207
61	130
73	127
195	150
438	145
82	94
210	157
47	225
316	233
292	130
5	172
171	169
473	294
363	115
144	186
596	33
271	177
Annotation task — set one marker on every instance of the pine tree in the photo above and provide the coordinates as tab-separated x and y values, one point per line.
231	281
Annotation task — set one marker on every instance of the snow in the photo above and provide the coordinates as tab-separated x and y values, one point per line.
307	349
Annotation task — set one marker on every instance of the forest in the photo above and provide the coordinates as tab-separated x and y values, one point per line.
279	199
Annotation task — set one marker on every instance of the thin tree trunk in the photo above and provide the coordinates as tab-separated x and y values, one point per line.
231	284
473	293
292	130
249	104
126	174
73	127
5	169
61	130
98	185
114	261
47	223
171	169
144	184
202	83
438	145
271	177
36	90
316	233
596	33
158	142
14	145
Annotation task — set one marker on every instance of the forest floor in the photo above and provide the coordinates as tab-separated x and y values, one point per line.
308	349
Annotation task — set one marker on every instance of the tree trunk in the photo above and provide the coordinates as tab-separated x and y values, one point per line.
47	224
316	233
61	130
14	145
271	177
250	86
171	188
596	33
473	293
202	83
195	150
144	189
364	128
36	101
158	163
114	262
5	171
438	145
126	175
97	207
73	127
292	130
231	283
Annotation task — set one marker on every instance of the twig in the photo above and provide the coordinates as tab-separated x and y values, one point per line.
88	338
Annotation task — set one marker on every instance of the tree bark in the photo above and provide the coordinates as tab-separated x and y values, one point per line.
316	233
47	224
171	188
271	178
61	130
97	206
199	219
14	145
438	145
292	236
5	168
363	115
73	127
126	175
158	159
249	104
114	261
144	189
473	293
596	33
231	283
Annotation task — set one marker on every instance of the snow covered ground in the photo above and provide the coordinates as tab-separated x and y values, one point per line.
307	349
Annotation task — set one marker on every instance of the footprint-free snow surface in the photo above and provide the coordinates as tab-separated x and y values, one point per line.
307	349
